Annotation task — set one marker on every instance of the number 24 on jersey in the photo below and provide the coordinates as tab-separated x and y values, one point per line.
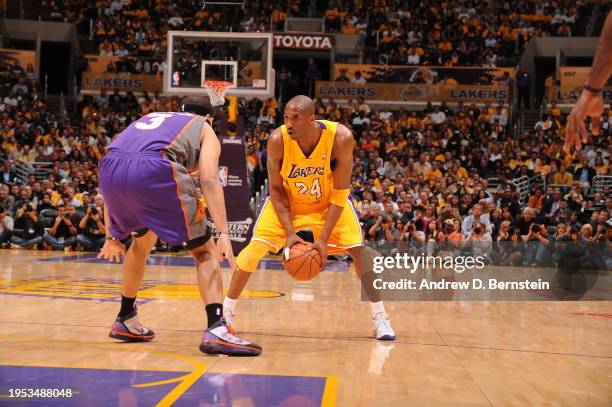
314	190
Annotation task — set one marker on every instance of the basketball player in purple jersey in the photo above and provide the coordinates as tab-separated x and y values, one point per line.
149	193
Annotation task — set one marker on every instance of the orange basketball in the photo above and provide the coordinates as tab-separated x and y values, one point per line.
304	262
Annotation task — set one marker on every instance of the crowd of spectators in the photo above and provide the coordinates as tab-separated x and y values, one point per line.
457	33
135	30
418	175
413	32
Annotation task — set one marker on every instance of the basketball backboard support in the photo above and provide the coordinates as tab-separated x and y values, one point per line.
243	59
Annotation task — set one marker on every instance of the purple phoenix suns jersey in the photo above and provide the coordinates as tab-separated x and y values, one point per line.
175	134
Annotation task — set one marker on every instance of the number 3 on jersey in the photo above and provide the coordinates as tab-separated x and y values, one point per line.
315	189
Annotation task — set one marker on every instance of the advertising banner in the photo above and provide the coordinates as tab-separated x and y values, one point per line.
22	57
397	92
123	82
303	41
424	74
234	179
569	94
572	79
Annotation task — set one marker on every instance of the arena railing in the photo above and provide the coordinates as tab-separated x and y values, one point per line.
260	197
21	171
494	183
62	107
41	169
522	187
600	182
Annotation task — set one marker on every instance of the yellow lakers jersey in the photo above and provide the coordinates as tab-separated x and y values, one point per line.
308	181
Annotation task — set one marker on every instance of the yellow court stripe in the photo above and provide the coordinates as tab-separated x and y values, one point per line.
330	392
187	380
161	382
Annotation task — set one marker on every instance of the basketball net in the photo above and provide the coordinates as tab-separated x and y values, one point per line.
216	91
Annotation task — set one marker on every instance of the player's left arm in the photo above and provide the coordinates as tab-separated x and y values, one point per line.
113	249
342	153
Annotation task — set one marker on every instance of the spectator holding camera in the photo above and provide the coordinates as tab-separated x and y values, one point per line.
62	235
6	227
538	245
29	230
479	241
411	234
380	231
448	239
93	237
509	246
476	216
601	248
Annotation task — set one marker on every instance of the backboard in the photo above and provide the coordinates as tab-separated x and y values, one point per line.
243	59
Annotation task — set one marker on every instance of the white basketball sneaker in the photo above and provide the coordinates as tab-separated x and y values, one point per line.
382	327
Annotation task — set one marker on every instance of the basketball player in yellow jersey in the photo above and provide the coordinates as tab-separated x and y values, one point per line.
307	191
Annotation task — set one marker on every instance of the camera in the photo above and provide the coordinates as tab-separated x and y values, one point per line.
535	228
477	230
511	232
29	208
93	211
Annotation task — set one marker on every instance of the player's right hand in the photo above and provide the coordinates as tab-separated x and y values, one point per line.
224	248
112	251
591	105
291	240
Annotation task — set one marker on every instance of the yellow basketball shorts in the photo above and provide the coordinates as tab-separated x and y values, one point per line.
269	233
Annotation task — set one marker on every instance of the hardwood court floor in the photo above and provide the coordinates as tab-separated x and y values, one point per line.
55	316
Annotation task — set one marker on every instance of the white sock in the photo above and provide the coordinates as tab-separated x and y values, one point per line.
377	307
230	304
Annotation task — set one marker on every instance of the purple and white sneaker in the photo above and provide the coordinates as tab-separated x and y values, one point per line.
218	340
128	329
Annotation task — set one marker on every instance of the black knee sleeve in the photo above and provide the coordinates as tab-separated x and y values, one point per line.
198	241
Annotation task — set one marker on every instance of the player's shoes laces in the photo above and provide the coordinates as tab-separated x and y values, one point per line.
229	315
128	329
382	327
218	340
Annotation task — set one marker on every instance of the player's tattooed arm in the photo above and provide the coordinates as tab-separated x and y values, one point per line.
278	196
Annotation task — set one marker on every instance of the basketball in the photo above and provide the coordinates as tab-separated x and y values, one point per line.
304	262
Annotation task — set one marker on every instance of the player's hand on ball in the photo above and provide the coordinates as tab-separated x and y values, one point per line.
576	134
224	248
112	251
291	240
321	247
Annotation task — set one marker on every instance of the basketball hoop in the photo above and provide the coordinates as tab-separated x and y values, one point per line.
216	91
